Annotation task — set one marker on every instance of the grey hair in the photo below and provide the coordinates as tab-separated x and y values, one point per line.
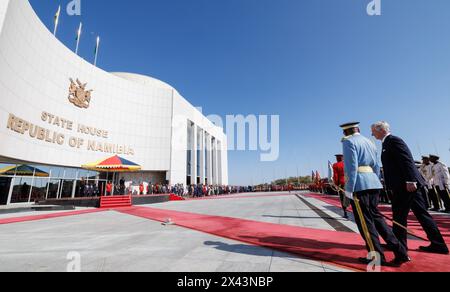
382	126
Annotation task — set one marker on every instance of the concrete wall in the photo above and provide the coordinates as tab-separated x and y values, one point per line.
183	112
3	9
138	112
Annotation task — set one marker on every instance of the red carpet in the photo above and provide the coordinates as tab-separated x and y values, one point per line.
46	216
339	248
443	221
237	196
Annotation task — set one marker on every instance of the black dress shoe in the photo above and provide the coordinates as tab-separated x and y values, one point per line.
398	262
434	249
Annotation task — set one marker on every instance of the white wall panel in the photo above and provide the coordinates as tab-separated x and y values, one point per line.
3	9
137	111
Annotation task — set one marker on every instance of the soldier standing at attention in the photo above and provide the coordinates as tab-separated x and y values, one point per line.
339	181
441	180
363	189
426	169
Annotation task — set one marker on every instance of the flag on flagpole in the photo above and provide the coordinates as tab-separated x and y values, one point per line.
58	13
318	178
96	50
330	172
78	37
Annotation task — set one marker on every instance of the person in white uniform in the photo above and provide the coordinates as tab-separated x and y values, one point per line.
441	180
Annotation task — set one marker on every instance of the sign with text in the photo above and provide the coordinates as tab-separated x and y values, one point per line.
90	138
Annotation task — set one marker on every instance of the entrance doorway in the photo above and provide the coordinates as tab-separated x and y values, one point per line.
5	184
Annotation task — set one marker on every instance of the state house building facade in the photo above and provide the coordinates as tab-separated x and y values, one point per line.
59	112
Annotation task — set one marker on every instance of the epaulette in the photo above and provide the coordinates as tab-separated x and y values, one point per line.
346	138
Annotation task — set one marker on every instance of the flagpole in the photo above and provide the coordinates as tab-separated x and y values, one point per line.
96	51
57	19
435	147
287	180
78	38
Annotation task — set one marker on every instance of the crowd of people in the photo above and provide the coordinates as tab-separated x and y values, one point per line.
197	191
191	191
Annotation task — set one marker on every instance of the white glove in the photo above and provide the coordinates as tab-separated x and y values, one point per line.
349	195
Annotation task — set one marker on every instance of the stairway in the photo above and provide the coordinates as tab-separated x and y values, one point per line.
115	202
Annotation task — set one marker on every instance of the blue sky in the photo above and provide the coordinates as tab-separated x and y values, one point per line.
316	63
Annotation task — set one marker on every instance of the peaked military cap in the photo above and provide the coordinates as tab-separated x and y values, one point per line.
348	126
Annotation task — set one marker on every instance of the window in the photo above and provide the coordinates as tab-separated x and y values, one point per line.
21	190
39	189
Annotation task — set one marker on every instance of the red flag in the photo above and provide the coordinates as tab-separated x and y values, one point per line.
318	178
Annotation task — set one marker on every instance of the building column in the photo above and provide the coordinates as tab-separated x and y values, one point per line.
202	156
194	155
209	159
11	187
214	161
219	163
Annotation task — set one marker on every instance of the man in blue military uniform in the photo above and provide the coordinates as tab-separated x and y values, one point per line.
363	189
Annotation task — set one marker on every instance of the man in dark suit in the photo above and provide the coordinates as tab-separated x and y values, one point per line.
403	178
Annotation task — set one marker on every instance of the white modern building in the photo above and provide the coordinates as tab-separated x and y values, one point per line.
59	112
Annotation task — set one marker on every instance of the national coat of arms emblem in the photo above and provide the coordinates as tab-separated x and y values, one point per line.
78	95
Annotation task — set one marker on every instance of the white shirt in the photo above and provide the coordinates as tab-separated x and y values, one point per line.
384	139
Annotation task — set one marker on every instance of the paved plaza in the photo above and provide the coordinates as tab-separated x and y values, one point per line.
259	232
112	241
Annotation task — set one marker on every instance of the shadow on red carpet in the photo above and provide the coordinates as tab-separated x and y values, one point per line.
338	248
443	221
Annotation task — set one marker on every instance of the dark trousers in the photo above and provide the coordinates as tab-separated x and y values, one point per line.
376	225
384	198
403	203
434	198
343	201
445	196
426	199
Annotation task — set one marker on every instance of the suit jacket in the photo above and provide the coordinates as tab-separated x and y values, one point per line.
399	166
358	152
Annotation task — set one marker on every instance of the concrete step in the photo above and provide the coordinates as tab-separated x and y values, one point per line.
34	208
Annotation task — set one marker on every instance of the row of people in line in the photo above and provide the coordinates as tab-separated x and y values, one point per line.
437	177
199	190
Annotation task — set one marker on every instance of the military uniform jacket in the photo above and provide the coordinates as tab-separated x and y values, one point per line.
339	174
427	173
362	169
441	176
